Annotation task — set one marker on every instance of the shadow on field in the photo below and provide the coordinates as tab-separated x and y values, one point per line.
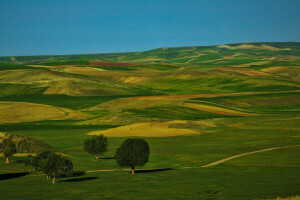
107	158
79	179
153	170
78	173
17	161
12	175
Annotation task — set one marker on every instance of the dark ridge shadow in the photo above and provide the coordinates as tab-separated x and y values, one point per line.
78	173
153	170
79	179
107	158
12	175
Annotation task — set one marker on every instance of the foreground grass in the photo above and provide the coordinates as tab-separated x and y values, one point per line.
205	183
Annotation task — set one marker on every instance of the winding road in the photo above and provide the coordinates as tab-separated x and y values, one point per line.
210	164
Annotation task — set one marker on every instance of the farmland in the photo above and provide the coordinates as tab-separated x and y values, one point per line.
193	105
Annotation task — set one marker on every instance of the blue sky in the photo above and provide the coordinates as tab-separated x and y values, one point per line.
44	27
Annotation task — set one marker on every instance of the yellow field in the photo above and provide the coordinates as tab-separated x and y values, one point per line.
273	69
20	154
217	110
145	130
84	71
14	112
249	46
246	71
135	103
32	76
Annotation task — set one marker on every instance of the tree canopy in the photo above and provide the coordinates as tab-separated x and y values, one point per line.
133	152
51	164
57	166
8	148
96	145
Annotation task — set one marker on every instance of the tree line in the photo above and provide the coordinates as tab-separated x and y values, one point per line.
132	152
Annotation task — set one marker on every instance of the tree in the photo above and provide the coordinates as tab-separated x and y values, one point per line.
57	166
51	164
38	162
133	152
8	148
96	145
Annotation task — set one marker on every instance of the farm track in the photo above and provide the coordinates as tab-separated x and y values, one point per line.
208	165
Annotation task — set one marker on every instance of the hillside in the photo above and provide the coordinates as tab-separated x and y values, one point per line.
194	105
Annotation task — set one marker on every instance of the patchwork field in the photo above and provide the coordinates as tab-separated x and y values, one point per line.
233	108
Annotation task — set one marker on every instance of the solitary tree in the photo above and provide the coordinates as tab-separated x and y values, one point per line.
57	166
133	152
96	145
8	149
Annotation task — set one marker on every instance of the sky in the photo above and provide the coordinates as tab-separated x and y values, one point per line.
57	27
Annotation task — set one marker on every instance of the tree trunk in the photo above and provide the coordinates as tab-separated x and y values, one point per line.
97	157
53	180
7	160
132	171
47	177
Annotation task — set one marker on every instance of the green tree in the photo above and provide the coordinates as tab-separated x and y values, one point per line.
8	149
96	145
133	152
38	162
57	166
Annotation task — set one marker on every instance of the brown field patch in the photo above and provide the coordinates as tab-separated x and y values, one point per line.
14	112
246	71
145	130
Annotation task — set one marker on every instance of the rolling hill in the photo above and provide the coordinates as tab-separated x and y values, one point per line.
194	105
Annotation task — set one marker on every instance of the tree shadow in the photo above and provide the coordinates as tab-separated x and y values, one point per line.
153	170
79	179
107	158
13	175
17	161
78	173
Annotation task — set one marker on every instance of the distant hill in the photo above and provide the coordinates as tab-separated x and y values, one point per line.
160	55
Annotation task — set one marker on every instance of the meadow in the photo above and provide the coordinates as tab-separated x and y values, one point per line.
193	105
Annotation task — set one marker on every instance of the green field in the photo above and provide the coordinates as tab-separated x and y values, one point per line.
157	86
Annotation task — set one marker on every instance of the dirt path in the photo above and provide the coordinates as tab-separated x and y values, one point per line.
245	154
208	165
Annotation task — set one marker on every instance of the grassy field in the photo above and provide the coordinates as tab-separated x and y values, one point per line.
193	105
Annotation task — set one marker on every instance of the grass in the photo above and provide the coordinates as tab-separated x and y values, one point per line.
172	113
72	102
4	67
175	184
264	175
